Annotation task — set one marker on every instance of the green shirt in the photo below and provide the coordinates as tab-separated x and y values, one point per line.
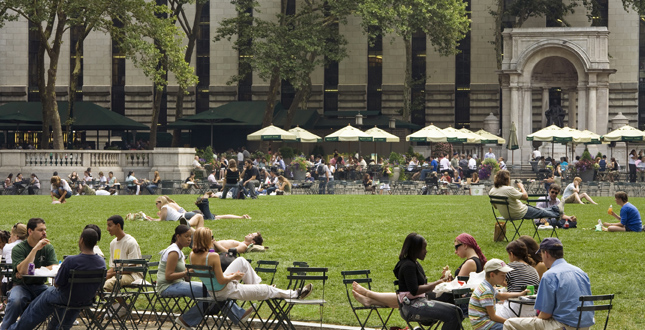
45	257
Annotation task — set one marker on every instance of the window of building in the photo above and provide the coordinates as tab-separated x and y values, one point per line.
76	32
118	74
202	64
34	45
330	93
462	79
375	71
287	91
163	106
641	74
600	13
418	102
244	91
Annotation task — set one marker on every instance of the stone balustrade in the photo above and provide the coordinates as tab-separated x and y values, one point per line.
172	163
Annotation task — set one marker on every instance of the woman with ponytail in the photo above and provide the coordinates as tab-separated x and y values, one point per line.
522	275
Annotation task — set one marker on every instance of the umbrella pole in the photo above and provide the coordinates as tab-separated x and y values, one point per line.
211	134
552	151
97	140
627	154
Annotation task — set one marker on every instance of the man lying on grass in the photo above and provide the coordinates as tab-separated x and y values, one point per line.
249	240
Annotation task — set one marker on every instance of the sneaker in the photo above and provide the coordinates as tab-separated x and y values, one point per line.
306	291
248	314
179	320
108	314
600	222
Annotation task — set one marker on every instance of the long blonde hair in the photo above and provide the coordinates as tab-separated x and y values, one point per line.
164	200
283	179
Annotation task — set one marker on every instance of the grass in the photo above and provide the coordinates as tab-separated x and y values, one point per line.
347	232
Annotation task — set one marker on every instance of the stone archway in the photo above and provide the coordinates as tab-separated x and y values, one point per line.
536	59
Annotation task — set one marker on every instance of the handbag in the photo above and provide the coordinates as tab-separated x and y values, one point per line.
226	258
500	232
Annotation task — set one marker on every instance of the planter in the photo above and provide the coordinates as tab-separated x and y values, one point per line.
299	175
396	172
586	176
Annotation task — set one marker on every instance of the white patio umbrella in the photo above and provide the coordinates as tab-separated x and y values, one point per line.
271	133
455	135
304	136
349	134
473	137
430	133
380	135
624	134
551	134
490	138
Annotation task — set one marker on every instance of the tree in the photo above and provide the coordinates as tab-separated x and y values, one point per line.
51	18
443	21
289	47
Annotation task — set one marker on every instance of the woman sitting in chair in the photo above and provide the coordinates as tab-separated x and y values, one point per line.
516	209
133	183
413	289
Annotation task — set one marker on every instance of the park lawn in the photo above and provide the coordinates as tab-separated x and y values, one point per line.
348	232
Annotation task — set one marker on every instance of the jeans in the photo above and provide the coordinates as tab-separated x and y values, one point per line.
19	297
227	187
632	172
536	213
152	188
42	307
323	185
193	317
424	173
424	311
250	188
204	207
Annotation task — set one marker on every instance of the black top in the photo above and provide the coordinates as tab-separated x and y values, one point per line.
253	171
410	275
232	177
477	262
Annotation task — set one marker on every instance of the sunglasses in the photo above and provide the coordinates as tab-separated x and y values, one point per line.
457	246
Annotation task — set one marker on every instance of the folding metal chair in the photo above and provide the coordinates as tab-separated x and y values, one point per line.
537	198
266	269
120	294
462	299
82	277
433	324
502	202
593	308
209	307
363	277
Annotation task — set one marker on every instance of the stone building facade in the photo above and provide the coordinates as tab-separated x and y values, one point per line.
480	96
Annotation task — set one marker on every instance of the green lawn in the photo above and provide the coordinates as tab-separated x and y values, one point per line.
346	232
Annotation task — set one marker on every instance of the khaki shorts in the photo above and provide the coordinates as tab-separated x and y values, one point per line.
126	280
570	199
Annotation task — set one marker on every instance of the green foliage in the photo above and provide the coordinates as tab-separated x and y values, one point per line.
396	158
492	162
377	219
299	163
206	154
599	155
586	155
286	152
440	149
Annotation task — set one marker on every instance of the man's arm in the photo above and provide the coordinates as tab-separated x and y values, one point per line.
525	195
544	316
23	267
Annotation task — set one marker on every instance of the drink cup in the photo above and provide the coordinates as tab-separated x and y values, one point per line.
610	210
531	288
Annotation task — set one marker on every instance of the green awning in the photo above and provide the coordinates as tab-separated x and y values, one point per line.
379	121
87	115
304	118
243	113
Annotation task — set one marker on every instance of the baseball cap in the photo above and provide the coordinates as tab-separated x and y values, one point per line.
550	243
497	264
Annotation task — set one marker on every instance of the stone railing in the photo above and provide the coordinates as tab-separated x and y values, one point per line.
172	163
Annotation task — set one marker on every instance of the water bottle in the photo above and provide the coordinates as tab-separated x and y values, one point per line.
566	224
31	269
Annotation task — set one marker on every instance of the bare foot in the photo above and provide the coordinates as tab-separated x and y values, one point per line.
365	301
246	216
359	289
605	229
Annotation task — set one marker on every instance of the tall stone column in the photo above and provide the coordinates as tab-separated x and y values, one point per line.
527	124
582	107
545	104
591	117
573	108
515	106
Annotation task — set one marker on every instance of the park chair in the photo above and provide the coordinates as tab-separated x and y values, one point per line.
537	198
6	271
209	307
363	277
120	293
81	277
498	202
593	308
461	298
298	277
266	269
433	324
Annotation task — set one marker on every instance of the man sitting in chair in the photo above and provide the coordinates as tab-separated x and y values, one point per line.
517	209
43	306
249	240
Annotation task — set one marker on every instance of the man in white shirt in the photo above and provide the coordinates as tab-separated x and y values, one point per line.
536	154
212	181
502	165
444	165
472	165
490	154
324	176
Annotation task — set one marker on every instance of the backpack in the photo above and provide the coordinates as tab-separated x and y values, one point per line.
320	170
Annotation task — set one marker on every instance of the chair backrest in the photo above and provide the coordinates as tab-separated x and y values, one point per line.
125	266
499	202
268	267
461	296
83	278
594	307
299	276
204	273
361	277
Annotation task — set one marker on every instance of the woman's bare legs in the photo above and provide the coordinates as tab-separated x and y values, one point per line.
232	216
369	298
585	196
197	221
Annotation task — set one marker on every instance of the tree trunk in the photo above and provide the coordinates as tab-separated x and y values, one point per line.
73	86
274	85
179	104
49	103
297	99
156	105
407	85
498	35
44	139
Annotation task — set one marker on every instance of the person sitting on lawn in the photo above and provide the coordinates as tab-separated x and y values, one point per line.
630	218
516	208
550	200
481	309
249	240
204	207
284	186
60	190
572	193
43	306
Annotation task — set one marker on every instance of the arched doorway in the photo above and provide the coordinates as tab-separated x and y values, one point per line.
572	62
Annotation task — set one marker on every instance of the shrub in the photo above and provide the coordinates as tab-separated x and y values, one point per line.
487	168
286	152
440	149
585	163
299	163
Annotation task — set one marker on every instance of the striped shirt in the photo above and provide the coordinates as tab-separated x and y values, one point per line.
483	296
521	276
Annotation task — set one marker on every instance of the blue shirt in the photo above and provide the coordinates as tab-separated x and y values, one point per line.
434	165
631	218
559	293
